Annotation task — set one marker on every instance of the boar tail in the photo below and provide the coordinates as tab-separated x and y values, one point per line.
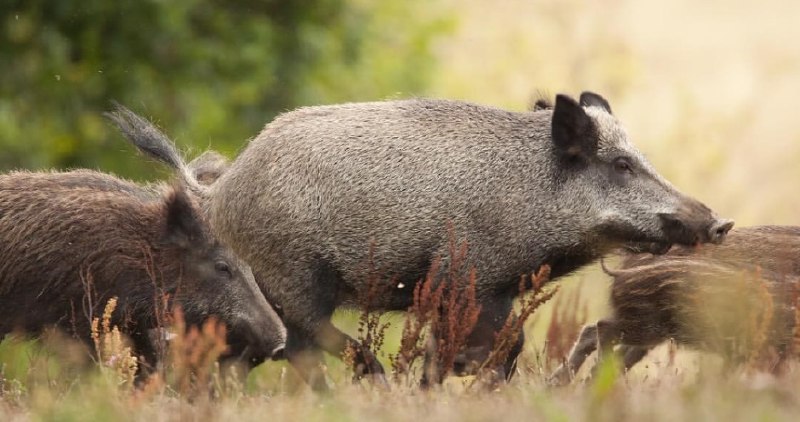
150	141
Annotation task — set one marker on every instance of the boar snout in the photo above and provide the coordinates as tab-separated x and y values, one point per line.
279	353
718	230
250	343
690	230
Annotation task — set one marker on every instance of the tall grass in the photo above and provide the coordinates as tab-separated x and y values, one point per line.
42	381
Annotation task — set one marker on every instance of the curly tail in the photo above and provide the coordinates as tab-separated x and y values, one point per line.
150	141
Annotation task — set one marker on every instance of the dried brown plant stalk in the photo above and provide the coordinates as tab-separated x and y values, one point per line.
794	348
424	309
530	300
761	350
193	354
441	318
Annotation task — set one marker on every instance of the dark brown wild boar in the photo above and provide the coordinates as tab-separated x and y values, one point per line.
737	298
71	241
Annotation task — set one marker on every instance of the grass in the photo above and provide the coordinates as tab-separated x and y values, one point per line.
672	393
54	379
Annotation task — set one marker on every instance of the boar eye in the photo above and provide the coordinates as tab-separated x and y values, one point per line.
623	166
223	268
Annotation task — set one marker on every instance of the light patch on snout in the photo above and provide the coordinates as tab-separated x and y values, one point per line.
617	219
609	215
612	217
401	285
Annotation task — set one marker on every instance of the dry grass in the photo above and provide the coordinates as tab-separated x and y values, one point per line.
192	388
112	350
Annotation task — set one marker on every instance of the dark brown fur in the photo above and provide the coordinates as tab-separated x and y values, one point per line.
736	298
65	234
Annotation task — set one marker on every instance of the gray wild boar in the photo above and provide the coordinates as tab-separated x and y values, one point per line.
323	192
737	299
70	241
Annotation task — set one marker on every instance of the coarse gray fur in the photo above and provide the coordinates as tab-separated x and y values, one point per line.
207	167
323	193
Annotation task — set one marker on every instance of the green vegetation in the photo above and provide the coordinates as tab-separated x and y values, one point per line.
213	72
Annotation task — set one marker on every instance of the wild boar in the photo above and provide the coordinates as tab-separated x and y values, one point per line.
69	241
323	192
736	298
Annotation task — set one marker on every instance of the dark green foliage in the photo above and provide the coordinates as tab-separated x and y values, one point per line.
211	72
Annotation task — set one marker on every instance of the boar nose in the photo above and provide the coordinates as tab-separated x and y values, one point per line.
718	230
279	353
269	348
257	342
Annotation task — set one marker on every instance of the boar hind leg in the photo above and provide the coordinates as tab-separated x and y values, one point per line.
583	347
309	331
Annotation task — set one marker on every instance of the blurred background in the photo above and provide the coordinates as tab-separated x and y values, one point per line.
708	90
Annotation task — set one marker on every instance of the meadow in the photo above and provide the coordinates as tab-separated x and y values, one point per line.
54	379
706	90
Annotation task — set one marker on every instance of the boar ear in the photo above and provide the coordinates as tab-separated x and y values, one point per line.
573	130
590	99
208	167
183	223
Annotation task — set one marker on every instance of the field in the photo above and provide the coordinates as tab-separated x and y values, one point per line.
53	379
707	91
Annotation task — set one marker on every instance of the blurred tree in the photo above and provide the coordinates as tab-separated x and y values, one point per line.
212	72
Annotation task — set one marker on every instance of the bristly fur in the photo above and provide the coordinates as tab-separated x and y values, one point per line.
151	141
307	197
688	293
208	167
70	241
